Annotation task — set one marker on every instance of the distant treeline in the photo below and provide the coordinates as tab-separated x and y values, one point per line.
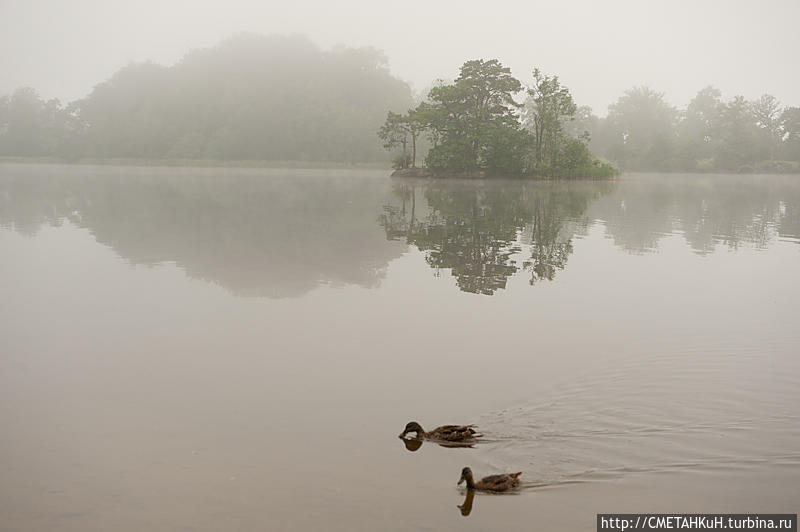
249	98
278	98
643	132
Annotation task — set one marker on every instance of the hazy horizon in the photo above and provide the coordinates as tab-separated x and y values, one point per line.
598	51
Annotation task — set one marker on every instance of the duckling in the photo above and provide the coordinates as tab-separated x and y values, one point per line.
491	483
451	433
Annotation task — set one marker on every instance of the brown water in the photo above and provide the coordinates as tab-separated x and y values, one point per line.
197	349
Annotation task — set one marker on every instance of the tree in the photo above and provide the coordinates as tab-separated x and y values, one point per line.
472	116
790	133
642	126
698	130
415	123
394	133
31	126
559	141
548	105
738	135
581	125
790	124
767	112
251	97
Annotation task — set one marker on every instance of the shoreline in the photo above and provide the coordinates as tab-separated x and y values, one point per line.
417	173
424	173
196	163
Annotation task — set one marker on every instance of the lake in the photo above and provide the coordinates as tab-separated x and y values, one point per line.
229	349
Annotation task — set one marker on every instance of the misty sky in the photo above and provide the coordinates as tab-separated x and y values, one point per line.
598	48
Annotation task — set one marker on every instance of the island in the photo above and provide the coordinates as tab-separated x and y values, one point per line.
478	130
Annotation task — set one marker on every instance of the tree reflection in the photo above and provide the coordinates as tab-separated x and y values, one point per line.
275	234
708	211
484	233
264	233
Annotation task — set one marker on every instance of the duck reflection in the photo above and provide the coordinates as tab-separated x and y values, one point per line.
414	444
466	506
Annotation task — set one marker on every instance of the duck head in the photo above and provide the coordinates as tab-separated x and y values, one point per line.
466	474
412	426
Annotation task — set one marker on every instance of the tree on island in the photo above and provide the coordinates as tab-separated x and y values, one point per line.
474	125
396	131
549	104
473	121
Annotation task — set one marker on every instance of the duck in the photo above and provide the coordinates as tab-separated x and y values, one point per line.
501	482
448	433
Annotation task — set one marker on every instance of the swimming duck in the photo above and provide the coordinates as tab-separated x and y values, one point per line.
491	483
453	433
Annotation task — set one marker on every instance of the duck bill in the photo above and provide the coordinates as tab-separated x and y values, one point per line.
461	480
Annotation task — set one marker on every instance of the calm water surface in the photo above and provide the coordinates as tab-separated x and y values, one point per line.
211	349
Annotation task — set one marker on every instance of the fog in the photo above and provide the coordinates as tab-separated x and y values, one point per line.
598	49
220	306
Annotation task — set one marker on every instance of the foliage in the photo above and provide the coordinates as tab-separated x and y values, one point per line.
397	130
790	138
394	133
33	127
401	161
473	119
549	113
642	127
475	128
249	98
642	132
548	105
738	134
281	98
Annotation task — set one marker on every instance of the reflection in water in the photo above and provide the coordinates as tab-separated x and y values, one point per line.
256	233
476	230
128	396
466	506
707	210
413	444
277	234
484	233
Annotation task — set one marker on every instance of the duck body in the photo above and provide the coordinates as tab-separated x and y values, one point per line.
496	483
446	433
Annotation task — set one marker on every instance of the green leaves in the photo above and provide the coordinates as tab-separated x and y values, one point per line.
473	120
475	127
